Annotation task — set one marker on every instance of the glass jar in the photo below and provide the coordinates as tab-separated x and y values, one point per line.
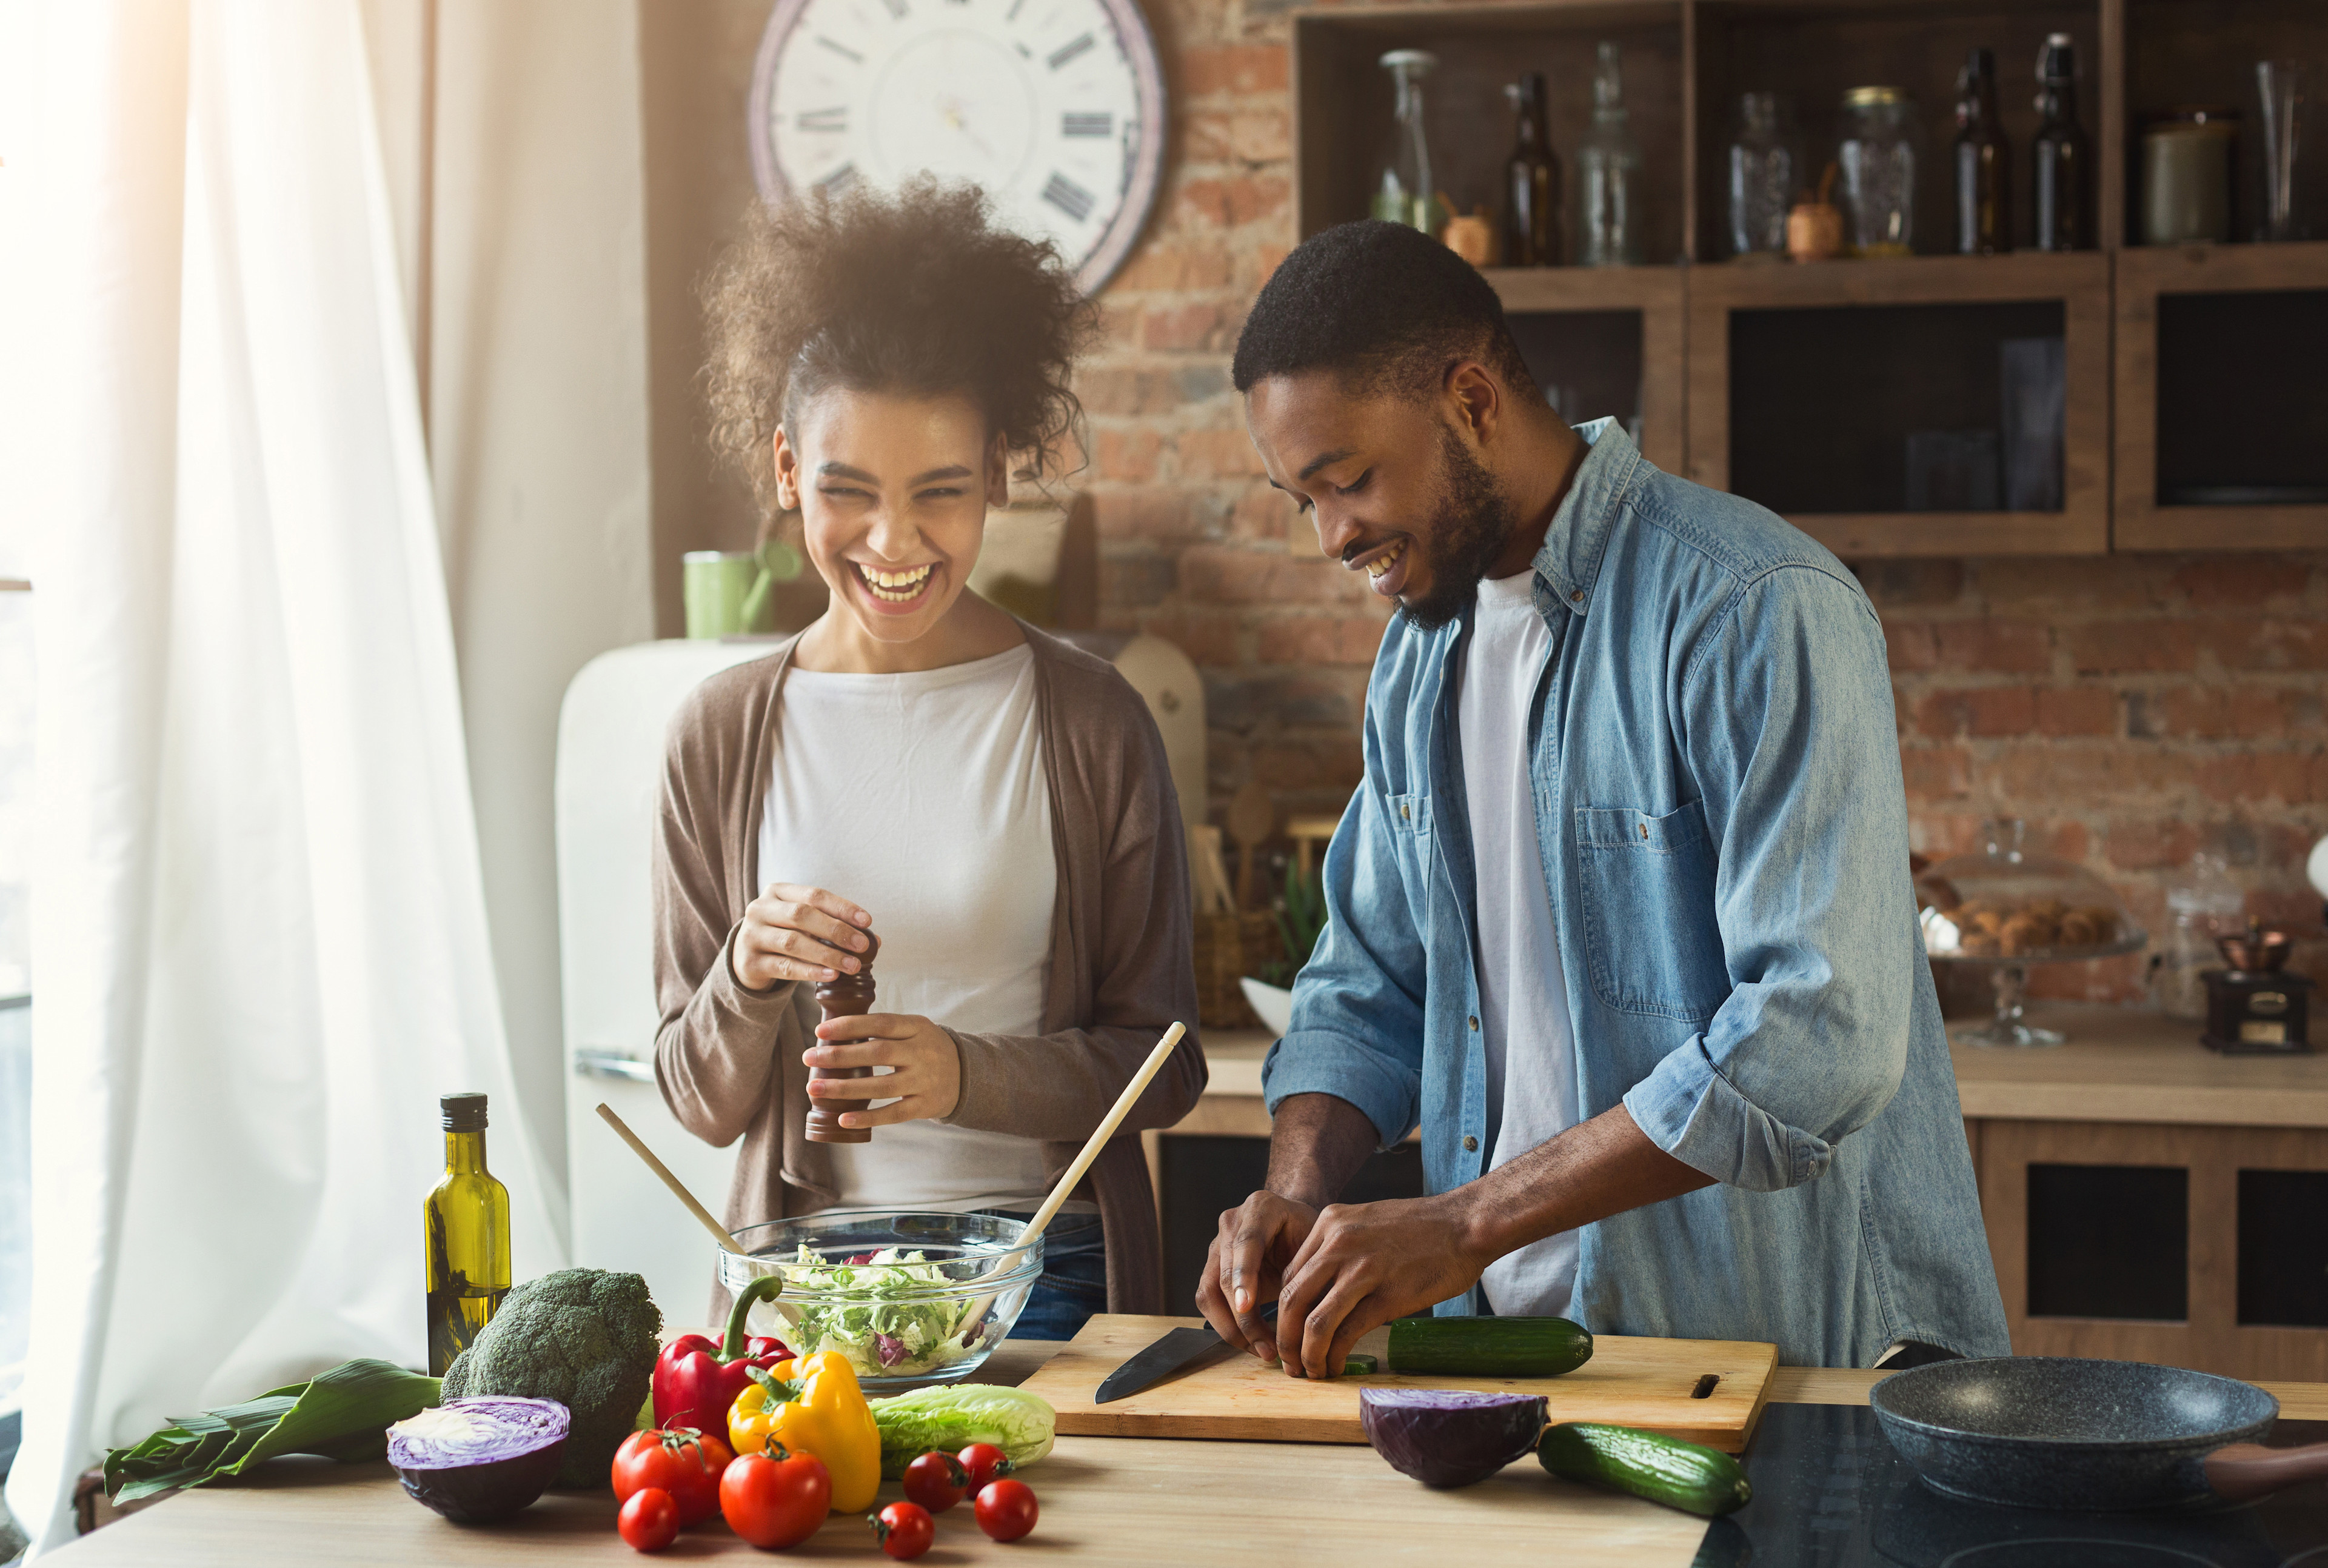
1406	194
1766	170
1609	174
2188	158
1877	153
2202	903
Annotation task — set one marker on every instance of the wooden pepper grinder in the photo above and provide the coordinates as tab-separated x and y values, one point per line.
849	996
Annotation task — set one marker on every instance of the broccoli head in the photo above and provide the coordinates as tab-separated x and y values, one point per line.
582	1337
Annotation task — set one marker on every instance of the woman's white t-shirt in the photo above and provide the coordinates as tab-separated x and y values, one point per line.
922	798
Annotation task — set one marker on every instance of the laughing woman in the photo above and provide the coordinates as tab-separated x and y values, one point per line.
920	766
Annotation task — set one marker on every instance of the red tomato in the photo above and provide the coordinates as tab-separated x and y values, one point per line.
1006	1509
649	1520
984	1462
774	1501
937	1481
904	1529
682	1461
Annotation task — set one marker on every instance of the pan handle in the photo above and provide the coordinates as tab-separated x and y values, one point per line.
2247	1470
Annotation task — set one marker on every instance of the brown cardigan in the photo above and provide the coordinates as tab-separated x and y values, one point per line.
728	1058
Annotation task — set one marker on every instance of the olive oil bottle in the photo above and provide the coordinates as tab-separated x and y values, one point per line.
466	1225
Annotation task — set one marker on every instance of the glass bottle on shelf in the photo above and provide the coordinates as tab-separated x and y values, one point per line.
1609	174
1983	163
1408	195
1877	153
2062	157
2202	903
1531	182
1766	170
466	1231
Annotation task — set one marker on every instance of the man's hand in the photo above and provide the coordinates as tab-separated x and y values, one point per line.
1364	1264
927	1083
796	933
1247	1261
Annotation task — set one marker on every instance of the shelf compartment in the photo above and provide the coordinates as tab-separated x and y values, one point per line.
1342	102
2283	1248
1559	311
1815	53
2109	1242
2022	294
2280	373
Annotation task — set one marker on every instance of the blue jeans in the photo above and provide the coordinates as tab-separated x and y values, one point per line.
1074	1284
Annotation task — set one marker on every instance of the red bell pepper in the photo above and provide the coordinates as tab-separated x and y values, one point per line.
695	1381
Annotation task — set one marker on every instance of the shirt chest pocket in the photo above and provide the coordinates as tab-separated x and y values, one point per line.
1650	934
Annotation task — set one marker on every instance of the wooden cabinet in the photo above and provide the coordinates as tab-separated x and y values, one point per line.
1800	385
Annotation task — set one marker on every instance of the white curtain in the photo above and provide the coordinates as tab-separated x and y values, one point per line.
259	935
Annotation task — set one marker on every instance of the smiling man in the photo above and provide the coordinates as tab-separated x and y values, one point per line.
1620	915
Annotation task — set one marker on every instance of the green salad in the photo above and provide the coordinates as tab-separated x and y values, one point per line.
894	1314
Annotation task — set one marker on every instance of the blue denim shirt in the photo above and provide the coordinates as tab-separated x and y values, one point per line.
1724	837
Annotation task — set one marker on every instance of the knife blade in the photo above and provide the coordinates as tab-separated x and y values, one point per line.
1177	1351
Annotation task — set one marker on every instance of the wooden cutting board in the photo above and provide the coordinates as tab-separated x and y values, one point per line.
1635	1382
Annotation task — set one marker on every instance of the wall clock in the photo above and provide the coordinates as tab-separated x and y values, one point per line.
1055	107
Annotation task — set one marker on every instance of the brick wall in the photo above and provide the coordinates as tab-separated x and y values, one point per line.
2133	710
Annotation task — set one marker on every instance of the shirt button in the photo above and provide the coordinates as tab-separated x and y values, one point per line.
1470	1144
1403	812
1576	595
1475	1025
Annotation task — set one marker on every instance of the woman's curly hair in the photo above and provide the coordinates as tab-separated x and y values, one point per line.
920	293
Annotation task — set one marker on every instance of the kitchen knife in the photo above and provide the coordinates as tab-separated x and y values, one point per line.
1177	1350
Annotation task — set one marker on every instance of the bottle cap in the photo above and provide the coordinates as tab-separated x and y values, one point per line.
464	1113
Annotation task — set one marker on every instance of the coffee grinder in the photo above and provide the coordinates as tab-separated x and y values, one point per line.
2255	1008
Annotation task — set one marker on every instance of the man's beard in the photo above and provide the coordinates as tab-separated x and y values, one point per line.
1474	521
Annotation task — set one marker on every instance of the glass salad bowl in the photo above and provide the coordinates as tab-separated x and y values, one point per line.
2006	909
909	1297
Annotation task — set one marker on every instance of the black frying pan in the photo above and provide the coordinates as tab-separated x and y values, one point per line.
2052	1432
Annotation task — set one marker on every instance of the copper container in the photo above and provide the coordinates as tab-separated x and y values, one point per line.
2257	951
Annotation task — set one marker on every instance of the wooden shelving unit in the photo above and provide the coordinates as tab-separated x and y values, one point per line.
1686	63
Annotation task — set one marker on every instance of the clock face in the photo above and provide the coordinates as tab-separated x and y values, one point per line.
1054	107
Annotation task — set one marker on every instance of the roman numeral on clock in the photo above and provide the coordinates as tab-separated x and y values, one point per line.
1068	52
840	48
840	180
1069	197
835	118
897	9
1072	123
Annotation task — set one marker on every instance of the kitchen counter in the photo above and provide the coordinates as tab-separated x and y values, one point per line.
1118	1500
2121	1065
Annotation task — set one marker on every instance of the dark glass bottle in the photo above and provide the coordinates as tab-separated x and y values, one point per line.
2062	157
1983	163
1531	182
465	1221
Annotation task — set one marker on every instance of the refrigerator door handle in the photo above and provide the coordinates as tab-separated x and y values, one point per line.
601	1063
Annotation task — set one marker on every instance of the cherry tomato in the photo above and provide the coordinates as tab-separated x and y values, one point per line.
1006	1509
684	1462
649	1520
904	1529
937	1481
984	1462
777	1498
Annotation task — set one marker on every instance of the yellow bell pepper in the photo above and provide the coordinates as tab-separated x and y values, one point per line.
814	1406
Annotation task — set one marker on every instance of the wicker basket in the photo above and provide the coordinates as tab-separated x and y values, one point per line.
1228	948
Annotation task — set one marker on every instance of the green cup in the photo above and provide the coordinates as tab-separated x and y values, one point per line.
714	585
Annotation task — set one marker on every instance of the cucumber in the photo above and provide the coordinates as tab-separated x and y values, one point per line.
1488	1346
1359	1366
1687	1476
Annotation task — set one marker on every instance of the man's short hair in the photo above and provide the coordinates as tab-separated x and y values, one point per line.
1388	305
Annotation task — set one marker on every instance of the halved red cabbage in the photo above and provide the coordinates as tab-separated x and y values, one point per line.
477	1459
1443	1437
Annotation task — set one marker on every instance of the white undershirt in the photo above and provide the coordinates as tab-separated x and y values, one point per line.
1524	1021
922	798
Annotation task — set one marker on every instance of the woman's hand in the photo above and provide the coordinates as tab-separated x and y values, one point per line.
927	1082
796	933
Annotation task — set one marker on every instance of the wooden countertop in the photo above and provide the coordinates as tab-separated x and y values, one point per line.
2121	1065
1119	1500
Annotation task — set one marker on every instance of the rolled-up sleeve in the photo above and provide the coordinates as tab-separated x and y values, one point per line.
1790	734
1357	1003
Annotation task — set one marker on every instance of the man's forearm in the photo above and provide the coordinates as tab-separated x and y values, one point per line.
1594	1169
1316	1144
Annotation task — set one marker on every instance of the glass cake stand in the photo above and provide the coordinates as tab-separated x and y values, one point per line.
2003	909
